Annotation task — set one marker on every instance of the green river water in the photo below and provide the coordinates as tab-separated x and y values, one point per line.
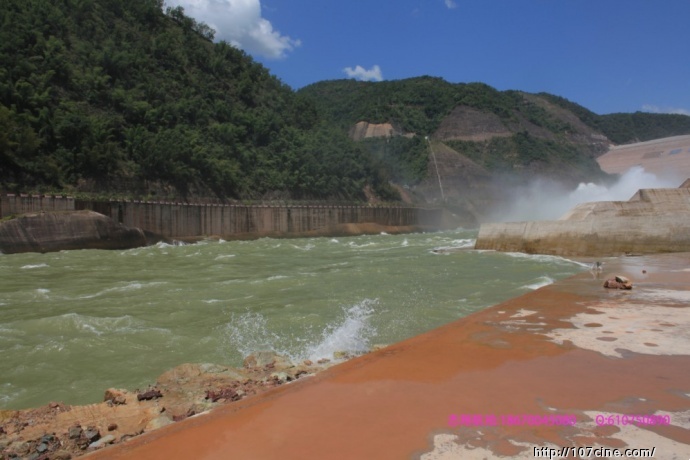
74	323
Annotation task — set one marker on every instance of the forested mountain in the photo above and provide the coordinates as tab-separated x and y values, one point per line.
626	128
118	95
129	97
503	131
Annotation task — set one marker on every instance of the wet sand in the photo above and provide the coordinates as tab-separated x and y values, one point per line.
572	348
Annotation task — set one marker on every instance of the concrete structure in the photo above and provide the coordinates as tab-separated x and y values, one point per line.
652	221
185	220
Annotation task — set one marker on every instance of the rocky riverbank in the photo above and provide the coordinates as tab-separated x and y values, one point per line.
58	431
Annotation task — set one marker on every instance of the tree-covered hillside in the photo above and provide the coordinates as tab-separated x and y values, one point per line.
417	105
130	97
536	140
541	133
119	95
625	128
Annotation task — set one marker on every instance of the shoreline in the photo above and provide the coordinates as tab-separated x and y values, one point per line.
540	353
58	431
499	335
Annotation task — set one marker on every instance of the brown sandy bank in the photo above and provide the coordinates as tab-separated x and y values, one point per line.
483	386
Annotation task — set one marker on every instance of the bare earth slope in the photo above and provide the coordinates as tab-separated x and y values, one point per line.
665	157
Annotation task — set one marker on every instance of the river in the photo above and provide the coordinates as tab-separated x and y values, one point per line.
74	323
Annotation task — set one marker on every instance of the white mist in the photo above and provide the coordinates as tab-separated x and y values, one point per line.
548	200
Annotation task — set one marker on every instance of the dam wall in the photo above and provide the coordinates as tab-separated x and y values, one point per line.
652	221
187	220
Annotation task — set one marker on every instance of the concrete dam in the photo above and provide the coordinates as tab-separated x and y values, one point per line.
652	221
187	220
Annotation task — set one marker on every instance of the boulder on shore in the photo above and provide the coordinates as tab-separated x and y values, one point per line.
57	231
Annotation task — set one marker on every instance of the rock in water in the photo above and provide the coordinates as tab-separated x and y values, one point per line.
618	282
57	231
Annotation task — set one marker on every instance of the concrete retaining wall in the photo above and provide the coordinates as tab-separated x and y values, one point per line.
180	220
596	238
652	221
21	204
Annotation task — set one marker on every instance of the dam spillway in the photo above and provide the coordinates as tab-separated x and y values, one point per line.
652	221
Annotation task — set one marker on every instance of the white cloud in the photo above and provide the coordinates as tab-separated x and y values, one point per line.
450	4
239	22
657	109
360	73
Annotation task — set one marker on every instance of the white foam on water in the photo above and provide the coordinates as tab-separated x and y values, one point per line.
465	243
270	278
540	283
225	256
172	245
307	247
546	258
354	245
9	393
29	267
277	277
132	286
70	323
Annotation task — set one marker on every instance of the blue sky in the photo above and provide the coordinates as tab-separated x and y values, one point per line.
607	55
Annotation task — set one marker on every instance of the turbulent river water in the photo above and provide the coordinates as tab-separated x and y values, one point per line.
74	323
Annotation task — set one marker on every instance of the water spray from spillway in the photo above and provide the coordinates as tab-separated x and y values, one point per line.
548	200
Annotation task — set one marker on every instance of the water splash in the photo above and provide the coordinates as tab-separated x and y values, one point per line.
249	332
351	333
